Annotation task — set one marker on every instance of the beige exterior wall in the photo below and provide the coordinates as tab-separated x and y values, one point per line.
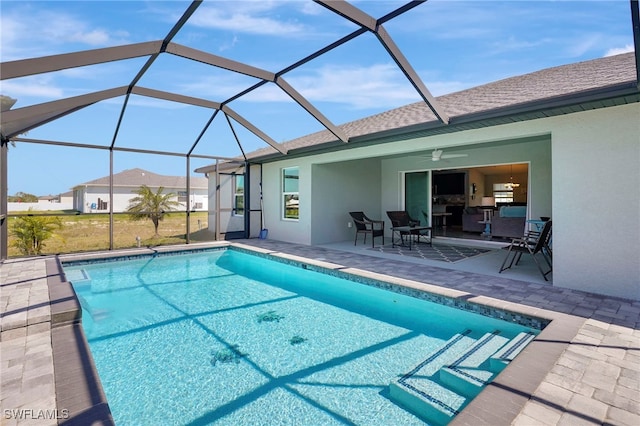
596	188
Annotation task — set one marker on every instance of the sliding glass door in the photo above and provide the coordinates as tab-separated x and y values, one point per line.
417	193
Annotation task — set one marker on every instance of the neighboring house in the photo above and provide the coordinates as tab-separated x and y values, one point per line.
93	196
575	127
48	199
66	197
45	203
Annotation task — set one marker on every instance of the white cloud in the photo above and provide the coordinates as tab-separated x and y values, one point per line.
376	86
618	50
513	44
310	8
228	45
33	88
357	87
245	20
63	28
31	32
586	44
217	88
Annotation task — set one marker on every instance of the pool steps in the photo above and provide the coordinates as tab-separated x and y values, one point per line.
440	386
464	375
79	278
504	356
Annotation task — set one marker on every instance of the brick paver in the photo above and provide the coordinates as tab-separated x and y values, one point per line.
26	356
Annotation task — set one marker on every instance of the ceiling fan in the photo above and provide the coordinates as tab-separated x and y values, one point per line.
438	155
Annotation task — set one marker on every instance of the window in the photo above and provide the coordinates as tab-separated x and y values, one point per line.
238	195
503	193
290	193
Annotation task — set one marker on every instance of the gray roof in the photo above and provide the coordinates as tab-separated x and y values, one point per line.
138	177
523	97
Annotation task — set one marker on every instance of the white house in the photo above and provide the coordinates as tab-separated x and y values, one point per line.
93	196
576	128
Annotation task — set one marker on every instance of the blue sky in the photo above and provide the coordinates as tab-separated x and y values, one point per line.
453	45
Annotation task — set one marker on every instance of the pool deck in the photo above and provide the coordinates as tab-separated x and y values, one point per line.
584	368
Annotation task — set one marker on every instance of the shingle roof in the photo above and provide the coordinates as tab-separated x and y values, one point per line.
529	89
138	177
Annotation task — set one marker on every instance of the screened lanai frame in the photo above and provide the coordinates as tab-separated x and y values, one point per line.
16	122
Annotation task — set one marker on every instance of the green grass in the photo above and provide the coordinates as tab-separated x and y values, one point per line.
90	232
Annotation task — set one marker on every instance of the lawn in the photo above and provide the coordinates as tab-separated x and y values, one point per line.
90	232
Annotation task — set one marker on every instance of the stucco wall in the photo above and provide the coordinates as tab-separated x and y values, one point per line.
294	231
596	181
39	206
339	188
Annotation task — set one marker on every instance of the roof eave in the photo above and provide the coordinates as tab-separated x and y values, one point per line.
548	107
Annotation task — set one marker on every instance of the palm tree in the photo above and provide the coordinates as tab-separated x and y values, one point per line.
151	205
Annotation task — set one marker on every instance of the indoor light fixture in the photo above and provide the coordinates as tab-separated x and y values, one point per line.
511	184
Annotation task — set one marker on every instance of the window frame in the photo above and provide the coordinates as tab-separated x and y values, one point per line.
238	195
288	195
502	193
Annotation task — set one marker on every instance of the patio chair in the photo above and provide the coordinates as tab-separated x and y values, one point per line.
365	226
401	218
533	243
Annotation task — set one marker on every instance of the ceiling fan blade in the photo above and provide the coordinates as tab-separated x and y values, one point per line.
438	155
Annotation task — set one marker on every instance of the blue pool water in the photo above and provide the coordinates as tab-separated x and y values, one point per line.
223	337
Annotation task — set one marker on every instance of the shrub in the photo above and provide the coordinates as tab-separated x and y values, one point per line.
30	232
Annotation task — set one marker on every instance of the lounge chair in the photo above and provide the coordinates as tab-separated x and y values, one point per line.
533	243
365	226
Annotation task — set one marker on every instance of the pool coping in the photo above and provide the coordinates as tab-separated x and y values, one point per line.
78	386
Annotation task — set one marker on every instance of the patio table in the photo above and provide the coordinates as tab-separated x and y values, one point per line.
413	232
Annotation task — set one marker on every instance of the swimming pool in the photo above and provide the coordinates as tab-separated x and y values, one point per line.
225	337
